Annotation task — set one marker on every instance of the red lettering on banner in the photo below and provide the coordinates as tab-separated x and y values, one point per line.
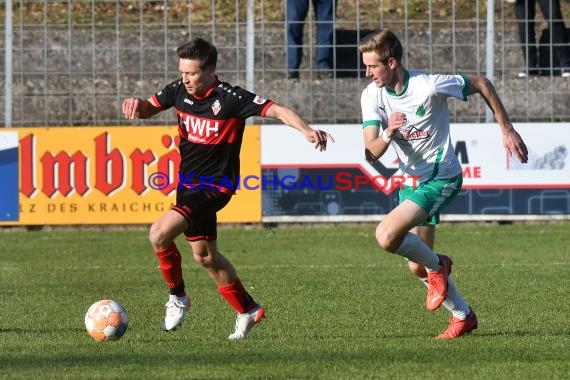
67	173
105	161
140	161
71	171
379	182
360	180
64	164
397	182
341	178
169	164
471	172
27	166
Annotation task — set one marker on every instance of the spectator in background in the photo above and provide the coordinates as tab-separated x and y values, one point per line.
525	11
324	14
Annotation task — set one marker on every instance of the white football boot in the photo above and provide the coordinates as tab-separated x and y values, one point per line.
246	321
176	308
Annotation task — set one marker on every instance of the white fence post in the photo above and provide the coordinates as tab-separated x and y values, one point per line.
490	52
8	33
250	58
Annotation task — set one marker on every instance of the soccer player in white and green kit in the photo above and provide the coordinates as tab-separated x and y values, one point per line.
408	110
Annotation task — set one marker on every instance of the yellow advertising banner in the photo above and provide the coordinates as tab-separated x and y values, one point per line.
114	175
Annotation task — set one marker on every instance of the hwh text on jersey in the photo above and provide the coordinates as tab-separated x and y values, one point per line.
197	129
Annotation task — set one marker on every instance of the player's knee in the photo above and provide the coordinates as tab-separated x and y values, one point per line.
203	257
158	237
386	239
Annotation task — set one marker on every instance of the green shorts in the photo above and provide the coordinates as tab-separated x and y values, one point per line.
432	196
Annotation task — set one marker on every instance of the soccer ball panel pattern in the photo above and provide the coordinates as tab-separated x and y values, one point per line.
106	320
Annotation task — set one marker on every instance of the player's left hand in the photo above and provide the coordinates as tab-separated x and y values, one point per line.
320	139
514	143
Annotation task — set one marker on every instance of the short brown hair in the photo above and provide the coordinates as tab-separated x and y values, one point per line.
201	50
384	43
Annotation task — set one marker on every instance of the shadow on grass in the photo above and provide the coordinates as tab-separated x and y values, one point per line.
19	330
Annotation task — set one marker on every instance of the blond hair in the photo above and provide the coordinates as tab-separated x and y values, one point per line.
384	43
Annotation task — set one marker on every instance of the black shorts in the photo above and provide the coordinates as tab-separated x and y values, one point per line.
199	208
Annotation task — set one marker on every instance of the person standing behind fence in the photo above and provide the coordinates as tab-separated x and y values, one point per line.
324	14
211	121
525	11
408	110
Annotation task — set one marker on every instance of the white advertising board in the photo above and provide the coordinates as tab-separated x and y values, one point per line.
479	148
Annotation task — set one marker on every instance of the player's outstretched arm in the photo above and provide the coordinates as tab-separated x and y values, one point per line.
512	141
292	119
137	108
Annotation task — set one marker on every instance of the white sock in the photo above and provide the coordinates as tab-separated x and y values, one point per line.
414	249
454	302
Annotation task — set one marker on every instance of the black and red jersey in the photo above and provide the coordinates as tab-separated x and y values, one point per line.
211	130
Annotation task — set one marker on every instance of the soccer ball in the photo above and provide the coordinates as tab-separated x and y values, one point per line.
106	320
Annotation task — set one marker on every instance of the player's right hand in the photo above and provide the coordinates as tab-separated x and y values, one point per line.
131	107
396	121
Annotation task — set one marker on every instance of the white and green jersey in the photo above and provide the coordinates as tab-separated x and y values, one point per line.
423	145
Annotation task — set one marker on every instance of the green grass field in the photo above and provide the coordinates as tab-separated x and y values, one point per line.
337	307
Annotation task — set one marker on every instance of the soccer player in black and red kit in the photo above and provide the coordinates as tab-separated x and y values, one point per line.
211	121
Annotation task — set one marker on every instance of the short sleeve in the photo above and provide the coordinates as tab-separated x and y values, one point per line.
450	85
166	97
373	112
249	104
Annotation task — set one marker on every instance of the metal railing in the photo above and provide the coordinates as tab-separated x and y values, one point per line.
70	63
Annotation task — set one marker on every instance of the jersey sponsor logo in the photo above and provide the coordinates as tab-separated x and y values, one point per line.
259	100
208	131
197	129
216	107
413	133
